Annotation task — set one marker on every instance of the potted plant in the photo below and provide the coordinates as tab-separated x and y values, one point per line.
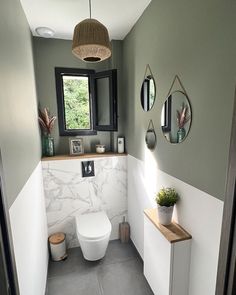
166	198
46	123
182	119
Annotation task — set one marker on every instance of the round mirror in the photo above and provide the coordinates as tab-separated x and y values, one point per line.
150	139
176	117
148	91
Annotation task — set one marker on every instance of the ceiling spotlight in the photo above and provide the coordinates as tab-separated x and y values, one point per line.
45	32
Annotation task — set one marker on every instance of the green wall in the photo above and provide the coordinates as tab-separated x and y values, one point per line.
51	53
196	40
19	132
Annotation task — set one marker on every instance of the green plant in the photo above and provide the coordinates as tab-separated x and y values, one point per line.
167	197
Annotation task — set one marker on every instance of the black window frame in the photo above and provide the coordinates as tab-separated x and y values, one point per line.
93	100
59	73
167	115
146	83
112	76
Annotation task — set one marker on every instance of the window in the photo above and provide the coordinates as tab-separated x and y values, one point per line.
105	118
86	101
166	115
76	98
74	101
148	93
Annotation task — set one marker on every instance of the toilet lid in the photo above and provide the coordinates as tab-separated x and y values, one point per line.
93	225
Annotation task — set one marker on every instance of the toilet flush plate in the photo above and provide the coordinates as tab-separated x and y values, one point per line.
87	168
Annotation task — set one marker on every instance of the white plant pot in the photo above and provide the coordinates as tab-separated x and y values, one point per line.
164	214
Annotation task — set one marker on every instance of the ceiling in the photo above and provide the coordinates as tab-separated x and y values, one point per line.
118	16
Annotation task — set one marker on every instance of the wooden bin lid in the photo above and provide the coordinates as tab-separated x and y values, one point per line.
57	238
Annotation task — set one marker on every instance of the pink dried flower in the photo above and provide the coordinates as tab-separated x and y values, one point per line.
182	116
46	121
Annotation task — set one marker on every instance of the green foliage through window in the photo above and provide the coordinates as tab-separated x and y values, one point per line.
151	92
76	99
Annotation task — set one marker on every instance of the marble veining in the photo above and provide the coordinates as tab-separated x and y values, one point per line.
67	194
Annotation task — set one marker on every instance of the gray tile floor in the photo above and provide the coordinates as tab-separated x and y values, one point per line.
120	272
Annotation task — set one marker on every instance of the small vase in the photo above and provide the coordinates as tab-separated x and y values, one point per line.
164	214
48	145
181	134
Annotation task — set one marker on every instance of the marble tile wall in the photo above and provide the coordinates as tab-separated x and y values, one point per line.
67	194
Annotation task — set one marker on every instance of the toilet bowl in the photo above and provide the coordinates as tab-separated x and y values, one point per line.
93	232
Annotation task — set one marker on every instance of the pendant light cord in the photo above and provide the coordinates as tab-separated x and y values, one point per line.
90	8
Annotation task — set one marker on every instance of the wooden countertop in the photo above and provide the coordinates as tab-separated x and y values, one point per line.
83	156
172	232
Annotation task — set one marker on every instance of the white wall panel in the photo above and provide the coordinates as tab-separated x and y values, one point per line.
29	231
198	212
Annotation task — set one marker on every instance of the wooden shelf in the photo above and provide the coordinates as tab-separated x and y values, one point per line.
173	232
84	156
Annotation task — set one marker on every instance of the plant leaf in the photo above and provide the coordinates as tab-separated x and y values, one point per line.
45	120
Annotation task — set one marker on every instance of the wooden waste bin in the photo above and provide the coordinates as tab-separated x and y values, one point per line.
57	244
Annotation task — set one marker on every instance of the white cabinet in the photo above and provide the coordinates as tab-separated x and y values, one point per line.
166	256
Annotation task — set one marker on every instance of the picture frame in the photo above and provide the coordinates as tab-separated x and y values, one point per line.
76	146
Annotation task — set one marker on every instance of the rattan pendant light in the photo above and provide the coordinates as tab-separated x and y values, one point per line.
91	40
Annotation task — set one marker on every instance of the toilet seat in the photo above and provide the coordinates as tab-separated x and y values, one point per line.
93	226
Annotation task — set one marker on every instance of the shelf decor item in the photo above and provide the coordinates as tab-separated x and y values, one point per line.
166	198
100	148
48	145
46	122
120	145
76	146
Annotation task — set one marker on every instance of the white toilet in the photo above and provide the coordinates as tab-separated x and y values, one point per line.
93	232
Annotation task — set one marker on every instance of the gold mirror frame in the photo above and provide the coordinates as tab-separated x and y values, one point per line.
183	114
148	86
